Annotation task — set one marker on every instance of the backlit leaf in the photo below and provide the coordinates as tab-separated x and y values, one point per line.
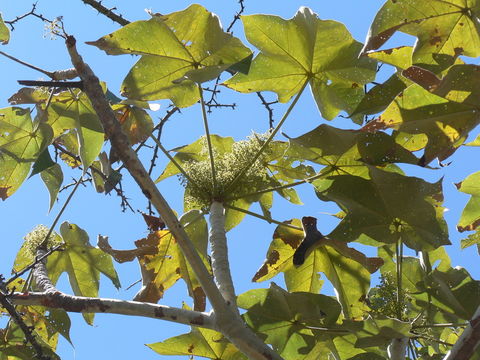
177	50
21	142
82	262
303	49
443	27
4	32
470	218
52	178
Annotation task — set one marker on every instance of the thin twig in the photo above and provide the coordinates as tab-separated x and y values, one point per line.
268	107
237	15
209	141
97	5
30	13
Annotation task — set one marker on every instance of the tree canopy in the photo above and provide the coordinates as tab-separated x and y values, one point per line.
390	119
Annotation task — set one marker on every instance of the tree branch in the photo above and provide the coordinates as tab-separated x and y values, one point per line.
219	254
468	342
97	5
227	321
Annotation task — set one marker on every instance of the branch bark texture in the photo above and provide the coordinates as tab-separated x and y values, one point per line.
227	320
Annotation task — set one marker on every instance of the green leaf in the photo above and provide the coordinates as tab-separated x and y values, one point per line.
470	218
53	179
82	262
199	342
416	113
68	112
386	207
444	28
472	239
380	96
43	162
349	278
190	45
303	49
21	142
400	57
282	316
4	32
347	151
379	331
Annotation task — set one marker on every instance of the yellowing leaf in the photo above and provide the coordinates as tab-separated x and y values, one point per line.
303	49
443	27
4	32
199	342
136	123
428	121
178	50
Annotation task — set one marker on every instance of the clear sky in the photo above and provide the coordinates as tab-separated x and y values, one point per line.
121	337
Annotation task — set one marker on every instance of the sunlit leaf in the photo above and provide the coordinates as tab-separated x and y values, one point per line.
444	28
52	178
21	142
82	262
4	32
199	342
69	111
303	49
177	50
470	218
416	113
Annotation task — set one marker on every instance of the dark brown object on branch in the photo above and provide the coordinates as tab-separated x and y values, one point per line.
312	236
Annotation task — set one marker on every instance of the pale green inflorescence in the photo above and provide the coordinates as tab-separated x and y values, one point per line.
35	237
227	166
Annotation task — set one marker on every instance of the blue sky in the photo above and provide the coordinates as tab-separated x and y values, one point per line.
123	337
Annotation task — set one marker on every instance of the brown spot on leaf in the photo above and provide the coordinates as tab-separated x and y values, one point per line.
422	77
458	51
435	40
354	85
388	51
458	185
190	348
3	192
470	227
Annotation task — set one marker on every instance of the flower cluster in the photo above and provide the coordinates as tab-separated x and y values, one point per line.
35	237
227	166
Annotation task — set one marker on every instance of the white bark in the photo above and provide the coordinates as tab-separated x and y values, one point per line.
468	342
219	254
397	349
81	304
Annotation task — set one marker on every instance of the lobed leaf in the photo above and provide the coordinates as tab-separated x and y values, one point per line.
305	49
